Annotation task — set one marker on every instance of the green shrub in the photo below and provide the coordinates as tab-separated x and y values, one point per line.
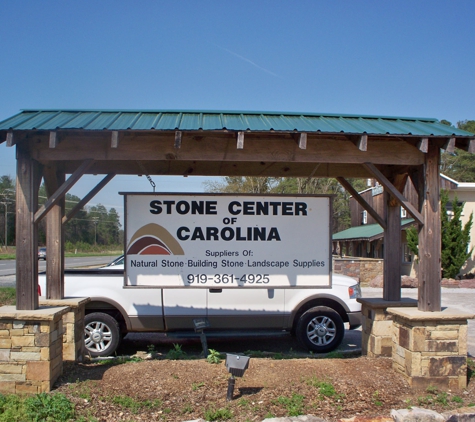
49	408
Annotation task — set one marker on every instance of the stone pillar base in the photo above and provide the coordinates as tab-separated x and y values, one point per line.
31	349
430	348
73	324
377	325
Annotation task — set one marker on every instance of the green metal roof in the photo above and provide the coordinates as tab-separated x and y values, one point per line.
367	232
167	120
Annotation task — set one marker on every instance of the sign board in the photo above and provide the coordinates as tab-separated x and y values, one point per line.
227	241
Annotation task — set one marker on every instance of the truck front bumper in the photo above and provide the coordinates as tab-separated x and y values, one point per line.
355	319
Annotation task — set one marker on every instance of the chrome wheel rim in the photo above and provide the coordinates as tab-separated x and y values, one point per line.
97	336
321	330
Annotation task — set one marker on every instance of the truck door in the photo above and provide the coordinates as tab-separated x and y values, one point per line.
246	308
182	305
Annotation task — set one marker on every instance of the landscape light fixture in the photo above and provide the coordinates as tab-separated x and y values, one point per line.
236	366
200	325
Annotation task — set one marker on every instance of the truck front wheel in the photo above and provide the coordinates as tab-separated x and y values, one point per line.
101	334
320	329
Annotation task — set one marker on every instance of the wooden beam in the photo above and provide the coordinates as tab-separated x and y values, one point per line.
382	179
27	184
222	147
392	251
10	138
115	139
362	201
178	137
423	145
54	177
303	140
362	142
53	139
450	146
63	189
429	293
240	140
88	197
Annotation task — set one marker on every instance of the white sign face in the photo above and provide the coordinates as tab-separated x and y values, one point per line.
226	241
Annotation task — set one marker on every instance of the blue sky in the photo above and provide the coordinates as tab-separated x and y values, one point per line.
399	58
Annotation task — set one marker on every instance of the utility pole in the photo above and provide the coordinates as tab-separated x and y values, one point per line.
95	220
5	204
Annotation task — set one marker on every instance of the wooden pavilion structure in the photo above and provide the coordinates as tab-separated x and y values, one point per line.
51	144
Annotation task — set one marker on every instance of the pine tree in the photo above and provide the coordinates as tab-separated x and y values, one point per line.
455	239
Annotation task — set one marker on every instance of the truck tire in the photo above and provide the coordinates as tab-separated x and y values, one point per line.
101	334
320	329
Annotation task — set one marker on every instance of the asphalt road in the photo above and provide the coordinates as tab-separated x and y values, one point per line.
8	266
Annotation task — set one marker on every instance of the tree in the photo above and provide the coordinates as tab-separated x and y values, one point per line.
294	185
241	184
7	217
455	239
460	164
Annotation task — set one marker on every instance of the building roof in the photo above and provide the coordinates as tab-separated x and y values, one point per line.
193	120
366	232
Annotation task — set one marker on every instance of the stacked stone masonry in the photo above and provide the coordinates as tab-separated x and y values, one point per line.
377	325
362	269
430	348
73	325
31	349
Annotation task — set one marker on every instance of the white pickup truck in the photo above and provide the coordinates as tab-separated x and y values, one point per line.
316	316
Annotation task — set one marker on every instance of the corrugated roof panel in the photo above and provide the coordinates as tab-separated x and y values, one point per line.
338	124
212	121
17	119
146	121
58	121
36	121
123	121
315	124
231	120
169	121
235	122
254	122
82	120
191	121
279	123
366	231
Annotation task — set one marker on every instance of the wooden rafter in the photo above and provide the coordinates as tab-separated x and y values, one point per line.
178	136
423	145
63	189
361	201
383	180
115	139
88	197
53	139
240	140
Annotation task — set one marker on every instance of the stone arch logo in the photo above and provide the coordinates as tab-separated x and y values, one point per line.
153	239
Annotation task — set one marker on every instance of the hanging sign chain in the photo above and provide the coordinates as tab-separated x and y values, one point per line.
144	171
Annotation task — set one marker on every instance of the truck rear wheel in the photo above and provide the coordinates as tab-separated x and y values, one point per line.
320	329
101	334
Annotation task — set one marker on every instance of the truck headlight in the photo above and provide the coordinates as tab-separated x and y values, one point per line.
354	291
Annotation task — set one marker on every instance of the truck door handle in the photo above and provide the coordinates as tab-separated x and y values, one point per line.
216	290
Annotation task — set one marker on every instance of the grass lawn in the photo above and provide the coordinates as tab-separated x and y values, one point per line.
7	296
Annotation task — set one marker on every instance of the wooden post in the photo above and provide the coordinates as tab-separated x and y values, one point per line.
27	185
392	251
430	235
54	178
